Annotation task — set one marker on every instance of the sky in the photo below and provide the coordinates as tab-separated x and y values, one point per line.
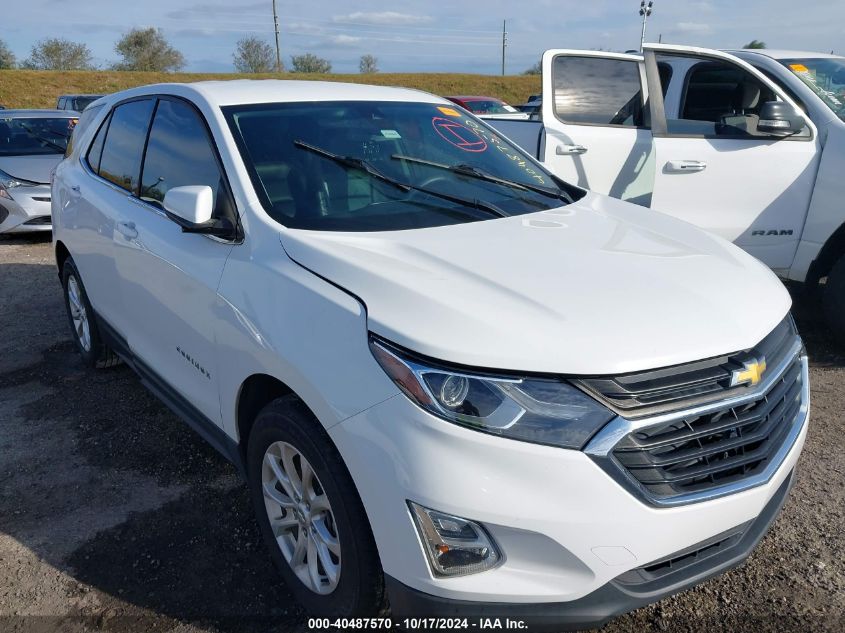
452	36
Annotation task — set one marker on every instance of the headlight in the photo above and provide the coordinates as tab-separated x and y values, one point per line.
540	410
6	183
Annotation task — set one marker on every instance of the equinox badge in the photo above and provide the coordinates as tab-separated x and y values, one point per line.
751	373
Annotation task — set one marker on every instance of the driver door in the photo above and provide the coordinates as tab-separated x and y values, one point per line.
597	133
714	168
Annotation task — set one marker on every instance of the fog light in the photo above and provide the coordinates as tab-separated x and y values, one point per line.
454	546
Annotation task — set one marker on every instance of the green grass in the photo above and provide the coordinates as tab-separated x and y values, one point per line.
39	89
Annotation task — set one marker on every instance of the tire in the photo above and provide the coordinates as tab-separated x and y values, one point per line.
83	321
833	301
286	424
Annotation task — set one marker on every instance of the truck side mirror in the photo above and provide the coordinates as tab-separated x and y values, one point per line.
778	118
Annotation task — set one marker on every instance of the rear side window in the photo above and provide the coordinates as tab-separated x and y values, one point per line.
124	144
597	91
96	149
180	153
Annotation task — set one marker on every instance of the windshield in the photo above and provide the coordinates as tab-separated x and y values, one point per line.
825	77
30	137
489	106
367	166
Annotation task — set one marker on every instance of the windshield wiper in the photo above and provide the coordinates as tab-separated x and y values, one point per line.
353	162
46	141
474	172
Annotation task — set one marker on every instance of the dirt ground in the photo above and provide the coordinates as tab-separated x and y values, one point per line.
115	516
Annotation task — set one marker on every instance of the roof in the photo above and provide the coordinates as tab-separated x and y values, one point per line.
475	98
244	91
39	114
785	54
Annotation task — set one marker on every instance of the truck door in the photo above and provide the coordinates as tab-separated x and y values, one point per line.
597	133
714	168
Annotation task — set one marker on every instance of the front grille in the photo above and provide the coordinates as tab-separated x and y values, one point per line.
701	452
41	220
659	391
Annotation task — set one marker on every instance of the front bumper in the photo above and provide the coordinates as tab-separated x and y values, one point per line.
27	210
627	592
567	528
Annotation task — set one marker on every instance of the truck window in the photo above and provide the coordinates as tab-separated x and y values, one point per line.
718	99
597	91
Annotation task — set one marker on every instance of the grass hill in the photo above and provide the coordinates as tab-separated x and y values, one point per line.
39	88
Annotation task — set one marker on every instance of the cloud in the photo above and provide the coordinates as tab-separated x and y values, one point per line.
693	27
384	17
344	40
211	10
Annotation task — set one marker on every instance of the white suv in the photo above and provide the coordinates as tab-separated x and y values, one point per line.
452	381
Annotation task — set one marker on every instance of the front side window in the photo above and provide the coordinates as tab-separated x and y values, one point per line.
719	99
597	91
179	153
376	166
34	136
124	144
825	77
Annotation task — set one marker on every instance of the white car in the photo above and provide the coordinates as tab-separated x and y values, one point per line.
32	143
749	145
450	380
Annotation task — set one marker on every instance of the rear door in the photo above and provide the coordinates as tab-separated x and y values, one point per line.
713	167
597	133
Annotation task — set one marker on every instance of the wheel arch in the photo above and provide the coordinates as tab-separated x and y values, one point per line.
829	254
256	392
62	254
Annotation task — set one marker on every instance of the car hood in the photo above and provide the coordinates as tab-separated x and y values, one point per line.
597	287
32	168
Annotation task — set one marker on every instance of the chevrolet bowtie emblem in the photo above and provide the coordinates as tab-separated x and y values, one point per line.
751	373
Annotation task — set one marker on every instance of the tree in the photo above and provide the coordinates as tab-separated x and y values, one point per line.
7	57
368	65
536	69
254	55
755	44
56	53
309	63
146	49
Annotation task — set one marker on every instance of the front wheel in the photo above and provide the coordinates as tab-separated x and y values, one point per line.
833	300
310	514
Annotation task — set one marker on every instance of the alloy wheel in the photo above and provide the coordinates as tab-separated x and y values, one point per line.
301	517
78	314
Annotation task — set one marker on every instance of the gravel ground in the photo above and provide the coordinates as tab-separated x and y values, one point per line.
114	516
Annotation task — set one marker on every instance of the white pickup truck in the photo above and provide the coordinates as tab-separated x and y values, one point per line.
749	145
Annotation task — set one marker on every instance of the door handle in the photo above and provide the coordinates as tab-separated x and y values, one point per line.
684	166
74	188
570	150
127	230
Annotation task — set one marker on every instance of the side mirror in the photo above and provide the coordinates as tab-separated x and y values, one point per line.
191	208
780	119
191	204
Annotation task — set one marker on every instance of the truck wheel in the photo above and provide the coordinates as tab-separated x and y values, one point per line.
83	321
834	300
310	514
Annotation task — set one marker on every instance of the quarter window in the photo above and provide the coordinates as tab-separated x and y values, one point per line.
180	153
597	91
96	149
124	144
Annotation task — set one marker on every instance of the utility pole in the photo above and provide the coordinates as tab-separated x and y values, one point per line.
504	43
645	12
278	53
